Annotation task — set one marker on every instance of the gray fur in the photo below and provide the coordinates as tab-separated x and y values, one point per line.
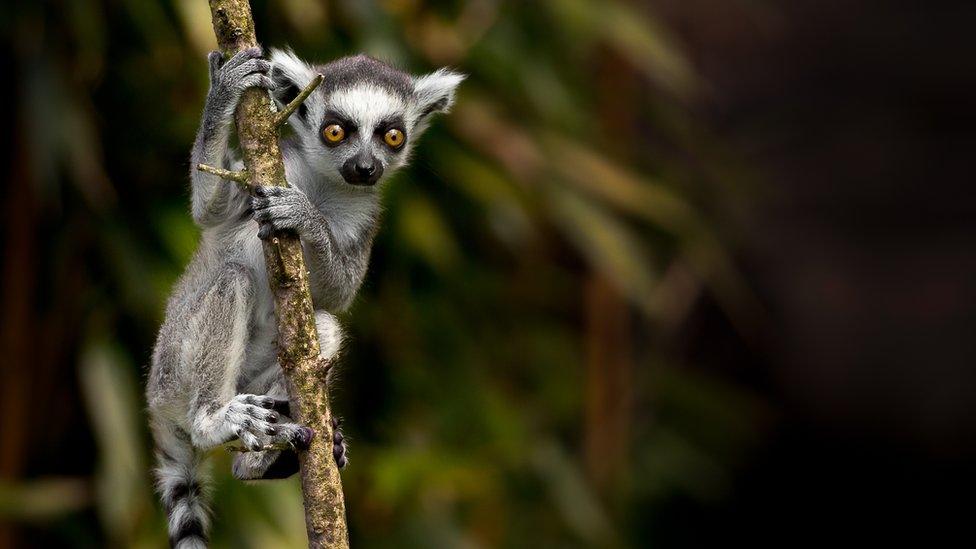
214	375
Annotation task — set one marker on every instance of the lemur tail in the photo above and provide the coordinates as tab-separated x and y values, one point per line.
180	482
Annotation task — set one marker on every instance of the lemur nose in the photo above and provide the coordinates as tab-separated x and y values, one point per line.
362	169
366	170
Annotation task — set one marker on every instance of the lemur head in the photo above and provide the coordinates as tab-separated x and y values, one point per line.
361	122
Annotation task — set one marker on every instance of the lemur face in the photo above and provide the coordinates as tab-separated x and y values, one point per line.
360	124
364	131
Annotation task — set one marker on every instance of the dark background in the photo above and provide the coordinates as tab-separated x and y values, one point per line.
673	273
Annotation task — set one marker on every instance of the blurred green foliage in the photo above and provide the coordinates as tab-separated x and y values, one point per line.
572	159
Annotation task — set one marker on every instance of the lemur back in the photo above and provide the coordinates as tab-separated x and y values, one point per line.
214	375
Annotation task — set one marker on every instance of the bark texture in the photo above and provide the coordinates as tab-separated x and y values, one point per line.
298	345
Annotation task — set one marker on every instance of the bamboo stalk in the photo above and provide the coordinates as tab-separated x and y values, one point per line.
298	345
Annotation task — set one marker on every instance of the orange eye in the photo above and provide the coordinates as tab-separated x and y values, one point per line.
334	133
394	138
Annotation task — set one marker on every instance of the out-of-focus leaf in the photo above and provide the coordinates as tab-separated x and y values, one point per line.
62	136
259	514
424	229
88	24
634	34
307	16
179	234
652	201
122	480
137	273
734	417
580	509
648	45
610	246
506	209
195	17
43	499
599	176
668	463
415	473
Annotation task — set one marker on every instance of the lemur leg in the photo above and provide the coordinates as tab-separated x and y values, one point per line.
217	336
282	464
330	344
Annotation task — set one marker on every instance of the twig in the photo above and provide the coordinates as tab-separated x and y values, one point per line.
282	116
240	177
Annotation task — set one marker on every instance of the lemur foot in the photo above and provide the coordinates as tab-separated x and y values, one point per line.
339	448
268	465
274	464
255	423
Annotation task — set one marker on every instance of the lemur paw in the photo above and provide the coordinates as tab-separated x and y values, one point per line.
253	420
339	448
229	79
280	209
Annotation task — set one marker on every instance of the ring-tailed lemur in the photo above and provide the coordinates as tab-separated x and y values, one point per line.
214	375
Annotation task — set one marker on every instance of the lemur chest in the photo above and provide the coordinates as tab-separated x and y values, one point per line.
260	357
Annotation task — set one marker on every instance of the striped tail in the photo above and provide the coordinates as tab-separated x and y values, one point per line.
180	483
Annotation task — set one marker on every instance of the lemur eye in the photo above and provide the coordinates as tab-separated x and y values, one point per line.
333	133
393	138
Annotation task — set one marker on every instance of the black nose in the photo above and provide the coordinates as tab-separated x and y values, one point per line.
365	170
362	169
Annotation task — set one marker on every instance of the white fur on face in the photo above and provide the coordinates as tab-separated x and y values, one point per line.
366	105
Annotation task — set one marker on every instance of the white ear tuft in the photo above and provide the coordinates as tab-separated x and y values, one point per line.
434	92
287	66
290	76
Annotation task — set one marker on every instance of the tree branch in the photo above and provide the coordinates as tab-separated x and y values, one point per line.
298	345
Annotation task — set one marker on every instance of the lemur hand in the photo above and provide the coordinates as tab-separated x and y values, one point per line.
229	79
281	208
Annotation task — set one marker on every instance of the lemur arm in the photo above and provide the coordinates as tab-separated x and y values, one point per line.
337	265
211	196
214	200
336	271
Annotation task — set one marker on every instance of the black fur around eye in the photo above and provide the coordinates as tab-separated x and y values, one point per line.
336	128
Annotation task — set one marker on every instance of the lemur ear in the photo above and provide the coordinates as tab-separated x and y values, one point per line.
434	92
290	75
